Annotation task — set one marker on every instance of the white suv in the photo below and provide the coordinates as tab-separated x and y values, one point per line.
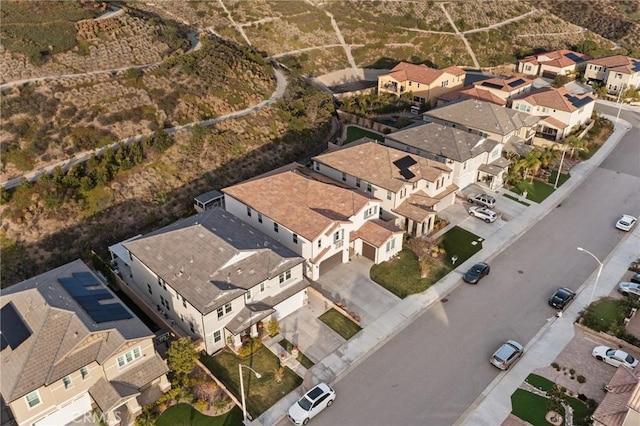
317	399
483	213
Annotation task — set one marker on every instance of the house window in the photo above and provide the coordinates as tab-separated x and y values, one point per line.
184	302
67	382
260	217
275	227
285	276
217	336
84	372
415	185
249	211
224	310
317	167
409	84
444	83
388	195
391	244
337	236
344	177
528	67
33	399
247	295
464	166
165	303
191	327
162	283
358	182
295	238
261	287
149	287
369	187
319	243
129	357
418	85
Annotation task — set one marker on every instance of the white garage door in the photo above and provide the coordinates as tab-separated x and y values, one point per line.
67	413
286	307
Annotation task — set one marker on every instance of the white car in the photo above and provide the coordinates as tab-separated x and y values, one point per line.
626	222
628	289
311	403
615	357
483	213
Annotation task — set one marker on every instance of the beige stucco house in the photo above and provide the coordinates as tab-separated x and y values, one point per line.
618	72
70	346
472	158
499	91
214	277
424	83
412	189
621	403
560	110
320	219
550	64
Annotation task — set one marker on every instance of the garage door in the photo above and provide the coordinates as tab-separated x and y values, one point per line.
369	251
67	413
330	262
549	74
288	306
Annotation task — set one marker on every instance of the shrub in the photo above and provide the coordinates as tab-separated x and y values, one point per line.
273	327
555	365
250	347
201	405
572	371
581	379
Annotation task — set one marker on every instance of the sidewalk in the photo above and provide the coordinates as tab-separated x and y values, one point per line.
493	406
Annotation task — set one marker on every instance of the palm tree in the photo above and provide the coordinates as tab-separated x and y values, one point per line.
532	163
575	143
548	156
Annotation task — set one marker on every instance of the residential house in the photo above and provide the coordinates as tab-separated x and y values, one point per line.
621	403
471	157
320	219
69	346
507	126
412	188
424	83
617	73
496	90
551	64
560	110
213	276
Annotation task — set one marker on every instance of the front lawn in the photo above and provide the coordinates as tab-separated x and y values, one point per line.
532	408
302	359
561	180
607	315
354	133
185	414
539	382
536	191
460	242
340	324
260	393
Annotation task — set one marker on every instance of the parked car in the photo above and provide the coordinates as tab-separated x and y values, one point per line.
507	354
476	272
483	213
626	222
561	298
482	200
628	289
635	278
311	403
615	357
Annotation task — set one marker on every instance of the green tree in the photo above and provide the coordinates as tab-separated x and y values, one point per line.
182	357
576	144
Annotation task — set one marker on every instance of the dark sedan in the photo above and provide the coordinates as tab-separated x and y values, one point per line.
476	272
635	278
561	298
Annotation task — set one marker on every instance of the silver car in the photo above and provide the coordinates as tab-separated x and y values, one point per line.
507	354
629	289
482	200
483	213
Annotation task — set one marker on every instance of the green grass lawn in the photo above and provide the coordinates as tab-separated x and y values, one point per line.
529	407
354	133
460	242
261	393
536	191
563	178
340	323
185	414
302	359
601	314
511	197
539	382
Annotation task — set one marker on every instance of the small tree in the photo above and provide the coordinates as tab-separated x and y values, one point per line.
182	357
273	327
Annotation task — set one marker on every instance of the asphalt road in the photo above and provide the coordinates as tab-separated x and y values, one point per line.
432	371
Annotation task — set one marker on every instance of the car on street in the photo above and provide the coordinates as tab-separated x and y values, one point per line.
635	278
629	289
507	354
561	298
615	357
483	213
313	402
626	222
482	200
476	272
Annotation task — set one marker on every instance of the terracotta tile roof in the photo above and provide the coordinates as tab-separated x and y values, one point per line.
376	232
618	63
212	257
554	122
483	116
405	71
444	141
419	206
507	85
621	388
558	98
300	200
383	166
557	58
63	336
472	92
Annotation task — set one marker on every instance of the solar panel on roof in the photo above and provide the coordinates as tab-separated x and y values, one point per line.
515	83
578	102
13	329
573	57
492	85
79	287
635	65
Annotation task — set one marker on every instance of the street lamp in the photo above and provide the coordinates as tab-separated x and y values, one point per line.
258	375
564	150
597	276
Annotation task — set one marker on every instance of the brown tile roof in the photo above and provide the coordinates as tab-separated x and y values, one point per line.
473	92
299	200
108	395
60	330
419	206
557	58
142	372
212	257
618	63
613	408
506	85
405	71
557	98
376	232
383	166
554	122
